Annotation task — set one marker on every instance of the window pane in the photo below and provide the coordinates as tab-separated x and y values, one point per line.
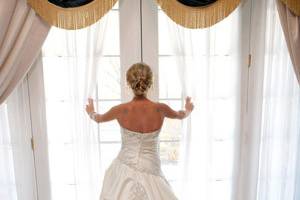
222	159
223	83
169	81
61	42
223	123
171	129
112	39
165	45
56	68
109	73
169	153
62	163
108	153
60	191
223	189
59	127
73	155
109	131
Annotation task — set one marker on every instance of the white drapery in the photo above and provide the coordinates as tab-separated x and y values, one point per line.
280	124
210	164
270	140
208	64
224	157
72	137
17	176
22	34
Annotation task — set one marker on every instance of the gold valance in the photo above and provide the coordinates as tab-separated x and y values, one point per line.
76	14
293	5
198	17
72	17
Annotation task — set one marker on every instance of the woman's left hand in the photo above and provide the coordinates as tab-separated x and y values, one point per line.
189	106
90	107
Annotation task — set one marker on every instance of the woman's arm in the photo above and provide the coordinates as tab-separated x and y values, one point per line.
181	114
108	116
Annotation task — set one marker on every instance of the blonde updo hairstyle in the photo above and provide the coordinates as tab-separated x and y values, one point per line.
139	78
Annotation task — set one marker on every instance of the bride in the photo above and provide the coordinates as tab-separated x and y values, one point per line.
135	174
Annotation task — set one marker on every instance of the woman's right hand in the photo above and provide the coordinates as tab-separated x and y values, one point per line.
189	106
90	107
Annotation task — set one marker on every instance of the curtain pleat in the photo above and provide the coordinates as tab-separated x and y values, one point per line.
291	27
278	168
293	5
208	70
17	170
22	34
71	60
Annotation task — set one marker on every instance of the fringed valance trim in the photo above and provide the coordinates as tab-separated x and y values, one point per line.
198	17
72	18
293	5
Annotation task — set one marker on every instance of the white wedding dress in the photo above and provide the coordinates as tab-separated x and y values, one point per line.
135	174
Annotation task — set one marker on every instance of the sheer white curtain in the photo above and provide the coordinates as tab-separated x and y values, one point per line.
270	142
280	128
17	177
71	60
208	64
224	157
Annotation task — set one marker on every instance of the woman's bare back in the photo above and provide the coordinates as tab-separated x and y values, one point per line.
142	116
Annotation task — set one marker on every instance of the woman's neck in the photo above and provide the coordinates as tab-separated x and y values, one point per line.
138	98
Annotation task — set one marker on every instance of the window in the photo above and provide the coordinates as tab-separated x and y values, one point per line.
8	185
61	89
62	66
170	92
210	58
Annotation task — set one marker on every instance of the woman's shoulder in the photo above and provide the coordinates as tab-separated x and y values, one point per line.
120	106
131	104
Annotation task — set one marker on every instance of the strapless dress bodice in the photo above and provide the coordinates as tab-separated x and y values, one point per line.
135	174
140	151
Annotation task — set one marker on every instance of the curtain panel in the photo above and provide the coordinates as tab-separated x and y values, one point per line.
270	139
71	60
22	34
209	71
290	23
260	159
17	171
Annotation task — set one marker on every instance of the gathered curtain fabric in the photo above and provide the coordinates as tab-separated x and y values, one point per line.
22	34
269	151
209	71
71	60
290	23
234	150
17	174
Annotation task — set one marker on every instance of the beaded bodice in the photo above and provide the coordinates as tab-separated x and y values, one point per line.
140	151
